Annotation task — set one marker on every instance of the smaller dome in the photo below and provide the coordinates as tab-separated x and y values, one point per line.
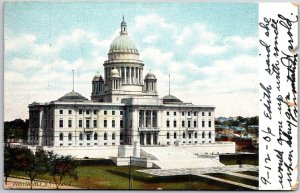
96	77
150	76
72	97
114	73
171	99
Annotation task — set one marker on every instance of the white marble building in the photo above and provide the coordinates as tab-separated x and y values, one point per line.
124	109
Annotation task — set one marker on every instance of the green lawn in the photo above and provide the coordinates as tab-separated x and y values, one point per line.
102	174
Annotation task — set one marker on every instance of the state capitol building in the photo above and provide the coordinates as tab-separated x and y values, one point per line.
124	114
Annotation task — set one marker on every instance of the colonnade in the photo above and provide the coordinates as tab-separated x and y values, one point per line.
129	75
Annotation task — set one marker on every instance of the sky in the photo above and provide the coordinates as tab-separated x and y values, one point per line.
210	50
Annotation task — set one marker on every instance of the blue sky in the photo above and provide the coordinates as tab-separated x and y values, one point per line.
210	50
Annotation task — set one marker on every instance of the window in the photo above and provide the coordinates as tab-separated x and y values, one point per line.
209	135
121	112
203	123
80	136
105	123
113	123
183	135
175	123
87	112
95	123
121	123
203	135
80	123
88	137
113	137
182	124
209	123
95	136
69	123
61	123
95	112
196	135
61	112
167	113
195	123
203	113
209	114
195	113
113	113
168	135
87	123
189	113
61	136
174	113
175	135
105	136
80	111
182	113
70	112
121	136
168	123
189	123
70	137
190	135
105	112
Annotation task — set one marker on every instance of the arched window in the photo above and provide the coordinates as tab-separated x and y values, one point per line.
203	135
209	135
88	137
168	135
70	137
113	137
175	135
183	135
105	136
61	136
80	136
95	136
190	135
196	135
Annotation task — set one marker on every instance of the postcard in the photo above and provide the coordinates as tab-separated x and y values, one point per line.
150	95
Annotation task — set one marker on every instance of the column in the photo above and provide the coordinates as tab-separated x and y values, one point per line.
134	129
125	74
153	134
40	129
138	75
142	76
151	118
151	138
133	73
145	118
129	75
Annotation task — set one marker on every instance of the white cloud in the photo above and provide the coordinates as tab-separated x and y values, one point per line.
208	50
150	39
184	35
14	44
143	22
242	42
156	56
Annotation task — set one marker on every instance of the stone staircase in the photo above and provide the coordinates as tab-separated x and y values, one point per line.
175	158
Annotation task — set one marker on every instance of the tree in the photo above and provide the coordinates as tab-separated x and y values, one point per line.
9	157
16	129
61	166
32	164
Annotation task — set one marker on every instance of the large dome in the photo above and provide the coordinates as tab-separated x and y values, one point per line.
123	43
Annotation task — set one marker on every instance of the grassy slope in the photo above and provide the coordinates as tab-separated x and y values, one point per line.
101	174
